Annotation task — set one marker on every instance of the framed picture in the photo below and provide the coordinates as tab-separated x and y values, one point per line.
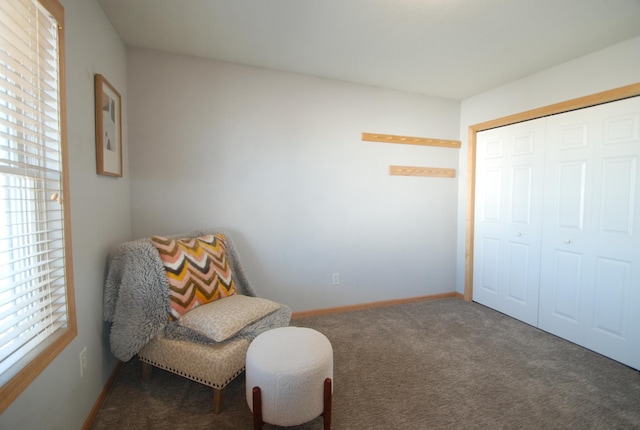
108	128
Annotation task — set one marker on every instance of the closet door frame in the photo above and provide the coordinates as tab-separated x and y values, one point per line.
566	106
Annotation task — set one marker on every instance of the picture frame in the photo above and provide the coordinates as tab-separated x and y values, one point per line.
108	128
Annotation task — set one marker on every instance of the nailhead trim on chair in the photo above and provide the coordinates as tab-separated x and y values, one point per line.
185	375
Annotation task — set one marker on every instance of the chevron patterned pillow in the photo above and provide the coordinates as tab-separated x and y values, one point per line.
197	270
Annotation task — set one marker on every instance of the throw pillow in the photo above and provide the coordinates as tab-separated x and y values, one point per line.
222	319
197	270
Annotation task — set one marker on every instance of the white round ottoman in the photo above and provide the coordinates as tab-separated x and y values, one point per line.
288	377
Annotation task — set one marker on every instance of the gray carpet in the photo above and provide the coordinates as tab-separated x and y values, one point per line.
442	364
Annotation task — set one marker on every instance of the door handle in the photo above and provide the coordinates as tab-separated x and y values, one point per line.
568	241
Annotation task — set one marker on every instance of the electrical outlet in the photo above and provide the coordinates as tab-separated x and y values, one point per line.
335	279
83	362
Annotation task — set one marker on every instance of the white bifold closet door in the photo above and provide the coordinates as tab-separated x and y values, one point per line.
587	196
590	265
508	219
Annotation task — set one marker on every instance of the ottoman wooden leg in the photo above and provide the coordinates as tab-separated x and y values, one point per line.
257	408
327	404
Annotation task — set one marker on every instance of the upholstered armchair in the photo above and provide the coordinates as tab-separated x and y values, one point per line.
197	323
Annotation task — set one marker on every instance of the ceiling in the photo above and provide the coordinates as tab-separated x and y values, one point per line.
446	48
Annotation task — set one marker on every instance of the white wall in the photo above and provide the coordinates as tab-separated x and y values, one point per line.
277	159
616	66
100	215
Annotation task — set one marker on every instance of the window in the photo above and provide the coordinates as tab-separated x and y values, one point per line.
37	314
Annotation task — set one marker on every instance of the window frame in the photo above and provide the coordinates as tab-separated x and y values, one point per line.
17	378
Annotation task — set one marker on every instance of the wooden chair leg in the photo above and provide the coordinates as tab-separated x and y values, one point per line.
327	404
218	397
146	371
257	409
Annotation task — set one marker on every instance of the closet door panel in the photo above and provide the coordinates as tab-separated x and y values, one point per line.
521	194
571	188
488	269
612	286
518	272
568	183
492	202
614	321
489	210
508	219
591	212
562	283
618	197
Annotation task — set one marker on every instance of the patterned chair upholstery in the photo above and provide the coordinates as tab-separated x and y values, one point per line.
212	365
136	302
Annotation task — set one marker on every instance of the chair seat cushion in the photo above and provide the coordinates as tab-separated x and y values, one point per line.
222	319
214	365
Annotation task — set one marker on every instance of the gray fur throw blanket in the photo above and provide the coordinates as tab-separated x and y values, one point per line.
136	297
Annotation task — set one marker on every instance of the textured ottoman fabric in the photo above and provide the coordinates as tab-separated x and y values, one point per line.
214	365
289	364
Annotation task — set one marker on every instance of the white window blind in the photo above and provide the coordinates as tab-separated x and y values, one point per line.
33	286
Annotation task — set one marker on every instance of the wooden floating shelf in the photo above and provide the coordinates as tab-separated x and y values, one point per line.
422	171
408	140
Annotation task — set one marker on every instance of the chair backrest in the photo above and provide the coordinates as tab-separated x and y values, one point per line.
136	292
